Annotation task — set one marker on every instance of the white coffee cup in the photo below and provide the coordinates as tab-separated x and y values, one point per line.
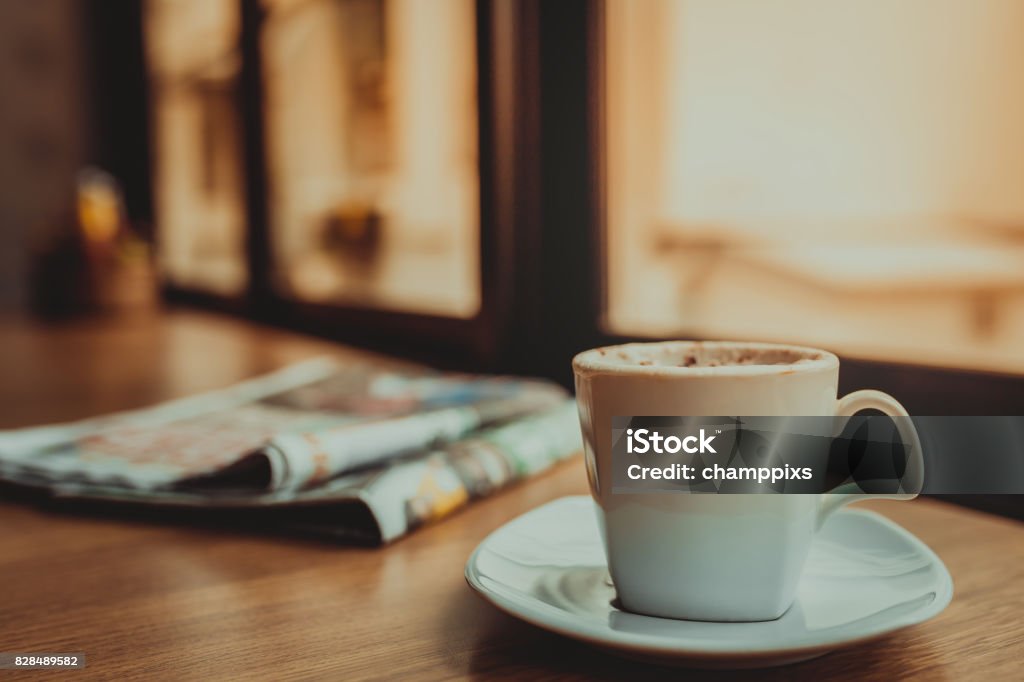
727	557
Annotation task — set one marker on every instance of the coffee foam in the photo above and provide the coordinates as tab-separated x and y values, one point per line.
696	355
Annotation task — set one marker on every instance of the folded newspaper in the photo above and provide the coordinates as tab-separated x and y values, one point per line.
350	451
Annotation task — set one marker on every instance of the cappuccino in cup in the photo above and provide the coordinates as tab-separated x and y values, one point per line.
714	557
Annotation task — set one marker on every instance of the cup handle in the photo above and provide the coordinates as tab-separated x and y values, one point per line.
850	405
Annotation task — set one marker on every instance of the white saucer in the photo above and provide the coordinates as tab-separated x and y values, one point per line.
865	577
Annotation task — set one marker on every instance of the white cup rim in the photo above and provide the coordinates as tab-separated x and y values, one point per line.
616	359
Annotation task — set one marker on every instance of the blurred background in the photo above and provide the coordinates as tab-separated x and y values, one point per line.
494	185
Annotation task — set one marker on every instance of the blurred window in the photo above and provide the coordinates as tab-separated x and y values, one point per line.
372	153
194	65
839	174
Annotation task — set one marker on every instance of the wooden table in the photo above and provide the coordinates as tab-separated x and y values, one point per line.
200	603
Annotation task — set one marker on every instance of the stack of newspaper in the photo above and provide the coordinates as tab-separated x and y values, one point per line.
351	451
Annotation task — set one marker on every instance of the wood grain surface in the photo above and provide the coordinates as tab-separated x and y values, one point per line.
162	601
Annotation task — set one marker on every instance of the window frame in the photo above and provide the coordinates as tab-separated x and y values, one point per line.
542	223
474	342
